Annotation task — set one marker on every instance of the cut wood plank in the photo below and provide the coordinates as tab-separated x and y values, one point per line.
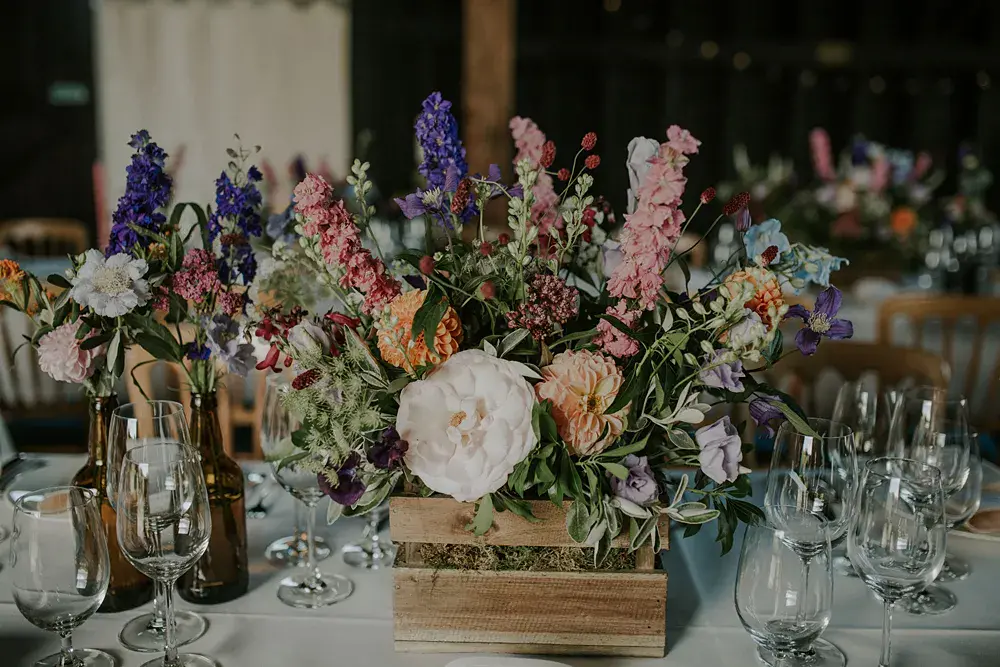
572	612
443	521
528	649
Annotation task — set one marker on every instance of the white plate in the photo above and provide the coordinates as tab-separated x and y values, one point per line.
495	661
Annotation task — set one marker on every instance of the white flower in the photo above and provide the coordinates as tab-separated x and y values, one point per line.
308	339
640	151
468	424
60	356
747	334
110	287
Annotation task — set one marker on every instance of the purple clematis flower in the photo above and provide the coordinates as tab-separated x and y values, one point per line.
764	413
349	488
821	322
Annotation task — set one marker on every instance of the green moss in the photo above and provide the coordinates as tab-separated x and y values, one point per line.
524	559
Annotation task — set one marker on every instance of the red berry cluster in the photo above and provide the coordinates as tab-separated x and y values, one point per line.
592	161
737	203
707	195
589	141
769	254
460	200
548	154
306	379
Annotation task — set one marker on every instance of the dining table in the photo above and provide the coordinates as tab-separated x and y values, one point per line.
703	628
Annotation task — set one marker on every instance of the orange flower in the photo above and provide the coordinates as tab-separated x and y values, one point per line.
903	221
394	337
581	386
10	270
767	300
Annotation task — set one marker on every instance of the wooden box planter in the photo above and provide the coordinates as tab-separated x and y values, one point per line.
552	612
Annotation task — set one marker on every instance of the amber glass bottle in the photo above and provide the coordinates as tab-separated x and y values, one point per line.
221	574
128	588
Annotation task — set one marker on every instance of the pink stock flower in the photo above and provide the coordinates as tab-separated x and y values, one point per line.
340	242
651	232
613	341
530	143
60	356
681	140
819	144
198	277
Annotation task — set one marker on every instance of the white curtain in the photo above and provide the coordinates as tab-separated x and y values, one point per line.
194	72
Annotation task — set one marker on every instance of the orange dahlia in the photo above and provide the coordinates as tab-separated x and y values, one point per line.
767	300
394	334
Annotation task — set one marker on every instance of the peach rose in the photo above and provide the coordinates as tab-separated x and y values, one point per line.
582	386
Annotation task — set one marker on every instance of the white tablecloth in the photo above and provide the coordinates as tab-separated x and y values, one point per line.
703	628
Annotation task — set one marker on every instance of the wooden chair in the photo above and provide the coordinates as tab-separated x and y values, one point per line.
965	330
44	237
813	381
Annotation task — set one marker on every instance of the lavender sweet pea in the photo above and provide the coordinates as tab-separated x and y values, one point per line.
821	322
721	451
640	487
388	452
722	374
349	488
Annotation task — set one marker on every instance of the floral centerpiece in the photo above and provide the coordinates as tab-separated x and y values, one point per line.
482	373
770	186
874	199
966	209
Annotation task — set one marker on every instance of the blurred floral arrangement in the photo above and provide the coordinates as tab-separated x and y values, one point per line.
151	279
769	186
481	372
966	209
874	197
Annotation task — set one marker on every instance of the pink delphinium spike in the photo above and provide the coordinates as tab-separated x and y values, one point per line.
819	144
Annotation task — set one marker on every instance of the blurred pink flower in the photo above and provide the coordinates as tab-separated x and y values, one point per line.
681	140
60	356
819	144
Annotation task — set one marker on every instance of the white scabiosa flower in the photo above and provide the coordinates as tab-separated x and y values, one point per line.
111	287
468	424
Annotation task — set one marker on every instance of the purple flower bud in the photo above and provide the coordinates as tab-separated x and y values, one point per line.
388	452
349	488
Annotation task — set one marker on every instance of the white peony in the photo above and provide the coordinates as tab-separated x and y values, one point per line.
110	287
468	424
640	151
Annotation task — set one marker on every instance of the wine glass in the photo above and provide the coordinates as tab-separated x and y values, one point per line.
868	413
60	567
812	475
131	425
897	538
164	525
275	440
783	608
309	589
931	428
371	553
958	508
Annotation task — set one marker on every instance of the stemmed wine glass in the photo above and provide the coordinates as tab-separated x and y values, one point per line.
929	427
60	567
276	443
135	424
784	610
372	552
897	538
812	476
164	524
958	508
309	589
867	412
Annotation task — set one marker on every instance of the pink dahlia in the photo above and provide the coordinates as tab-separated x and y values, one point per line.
582	386
60	356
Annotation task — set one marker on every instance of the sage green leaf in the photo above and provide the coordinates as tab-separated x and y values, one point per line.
522	508
624	450
511	341
398	384
59	281
700	517
682	440
800	424
289	460
616	469
577	521
631	509
96	341
682	486
333	512
484	516
602	549
645	529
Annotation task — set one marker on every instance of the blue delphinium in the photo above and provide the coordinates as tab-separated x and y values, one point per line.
147	189
235	219
437	134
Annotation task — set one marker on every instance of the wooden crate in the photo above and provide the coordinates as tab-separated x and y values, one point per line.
561	613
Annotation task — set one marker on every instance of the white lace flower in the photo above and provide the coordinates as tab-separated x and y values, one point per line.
468	424
110	287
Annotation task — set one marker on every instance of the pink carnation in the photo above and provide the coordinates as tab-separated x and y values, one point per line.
681	140
610	339
198	277
60	356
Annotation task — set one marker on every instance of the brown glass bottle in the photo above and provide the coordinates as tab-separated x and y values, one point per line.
128	588
222	573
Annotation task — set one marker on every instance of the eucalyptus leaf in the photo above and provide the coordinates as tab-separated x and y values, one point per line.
645	529
602	549
488	348
512	340
484	516
333	512
692	507
624	450
630	509
690	416
597	533
681	439
398	384
699	517
682	486
800	424
616	469
577	521
116	353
